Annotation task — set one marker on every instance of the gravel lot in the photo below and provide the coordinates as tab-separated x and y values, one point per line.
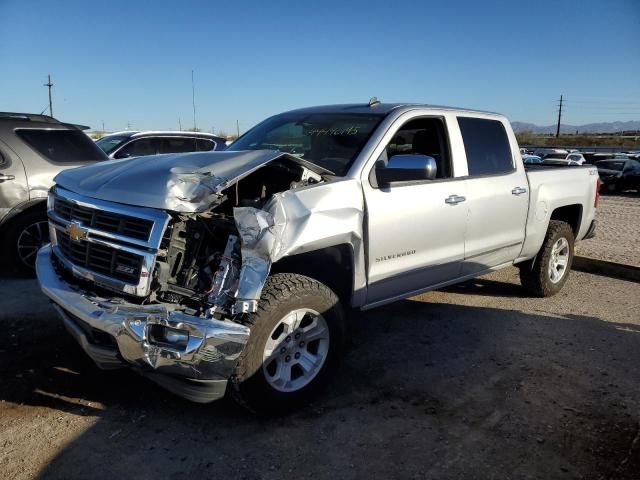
473	382
618	233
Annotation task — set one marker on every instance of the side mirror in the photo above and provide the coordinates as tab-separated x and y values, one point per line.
120	155
403	168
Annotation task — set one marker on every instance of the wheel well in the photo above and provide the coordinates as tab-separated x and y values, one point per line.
332	266
25	208
571	214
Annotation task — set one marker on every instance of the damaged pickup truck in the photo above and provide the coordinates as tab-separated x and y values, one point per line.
232	270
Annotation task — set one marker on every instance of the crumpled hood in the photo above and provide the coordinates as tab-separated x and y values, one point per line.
181	182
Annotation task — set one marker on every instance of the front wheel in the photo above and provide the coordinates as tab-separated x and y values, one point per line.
547	273
296	340
26	235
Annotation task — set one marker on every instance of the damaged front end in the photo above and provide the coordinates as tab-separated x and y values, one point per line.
162	286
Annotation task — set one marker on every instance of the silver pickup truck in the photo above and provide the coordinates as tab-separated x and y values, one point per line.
204	271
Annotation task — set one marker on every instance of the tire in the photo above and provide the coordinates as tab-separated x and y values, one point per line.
260	385
25	235
536	275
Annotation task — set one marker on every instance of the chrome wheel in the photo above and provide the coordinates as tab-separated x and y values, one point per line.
30	240
559	260
296	350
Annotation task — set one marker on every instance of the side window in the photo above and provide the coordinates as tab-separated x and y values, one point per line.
422	136
205	145
177	145
487	146
138	148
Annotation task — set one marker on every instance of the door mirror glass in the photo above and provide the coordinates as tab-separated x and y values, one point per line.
403	168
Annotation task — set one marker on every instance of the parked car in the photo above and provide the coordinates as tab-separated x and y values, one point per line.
619	174
136	144
531	159
544	152
234	269
33	149
564	159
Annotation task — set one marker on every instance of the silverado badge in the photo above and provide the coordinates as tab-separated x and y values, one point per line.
76	232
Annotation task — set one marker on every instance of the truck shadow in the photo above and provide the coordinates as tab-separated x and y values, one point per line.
427	389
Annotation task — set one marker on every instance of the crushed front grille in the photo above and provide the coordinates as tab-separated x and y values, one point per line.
125	225
109	261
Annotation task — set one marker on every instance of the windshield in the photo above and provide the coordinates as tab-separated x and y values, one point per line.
109	143
62	146
611	165
331	140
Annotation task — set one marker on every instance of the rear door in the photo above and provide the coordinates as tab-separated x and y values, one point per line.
497	194
13	181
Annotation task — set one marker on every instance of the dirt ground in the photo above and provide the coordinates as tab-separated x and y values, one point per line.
616	239
477	381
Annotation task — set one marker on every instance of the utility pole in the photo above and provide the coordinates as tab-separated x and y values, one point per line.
193	99
179	125
559	117
237	128
128	125
49	84
103	126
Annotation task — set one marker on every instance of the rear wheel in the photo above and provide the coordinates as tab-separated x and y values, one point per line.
296	340
26	235
547	273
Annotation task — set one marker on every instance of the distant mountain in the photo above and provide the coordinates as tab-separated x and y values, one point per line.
606	127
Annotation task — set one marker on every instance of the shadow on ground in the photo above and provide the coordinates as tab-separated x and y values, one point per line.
426	390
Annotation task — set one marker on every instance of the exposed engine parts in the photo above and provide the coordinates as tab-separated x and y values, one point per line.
209	262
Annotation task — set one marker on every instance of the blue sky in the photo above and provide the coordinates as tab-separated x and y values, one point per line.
131	61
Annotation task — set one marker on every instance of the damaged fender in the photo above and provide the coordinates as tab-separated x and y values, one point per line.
294	222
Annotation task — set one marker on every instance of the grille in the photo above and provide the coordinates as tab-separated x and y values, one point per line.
106	221
109	261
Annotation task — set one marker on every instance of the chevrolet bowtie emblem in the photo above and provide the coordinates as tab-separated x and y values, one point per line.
76	232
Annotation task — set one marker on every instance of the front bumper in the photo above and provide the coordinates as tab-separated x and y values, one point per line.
116	334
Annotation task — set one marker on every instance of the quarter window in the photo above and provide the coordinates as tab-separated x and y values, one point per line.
205	145
487	146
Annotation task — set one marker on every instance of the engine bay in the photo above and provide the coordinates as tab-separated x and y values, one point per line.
199	261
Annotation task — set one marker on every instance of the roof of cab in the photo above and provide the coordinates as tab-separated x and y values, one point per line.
382	108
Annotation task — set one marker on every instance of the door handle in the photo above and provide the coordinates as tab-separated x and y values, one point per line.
4	177
519	191
454	199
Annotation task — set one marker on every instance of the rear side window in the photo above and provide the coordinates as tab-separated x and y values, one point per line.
138	148
205	145
487	146
62	146
177	145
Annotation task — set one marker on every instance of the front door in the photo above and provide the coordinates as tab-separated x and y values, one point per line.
414	231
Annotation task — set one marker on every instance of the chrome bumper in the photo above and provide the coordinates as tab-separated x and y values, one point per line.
196	366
